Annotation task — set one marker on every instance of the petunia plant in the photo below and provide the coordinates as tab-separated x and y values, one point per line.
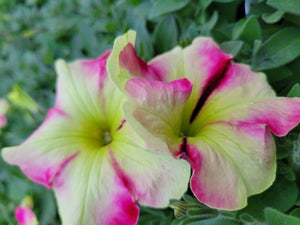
85	150
215	113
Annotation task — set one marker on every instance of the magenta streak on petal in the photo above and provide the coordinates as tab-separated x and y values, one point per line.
137	66
23	215
280	125
211	84
125	179
3	121
98	67
193	156
121	125
124	212
182	153
198	186
55	112
57	180
51	176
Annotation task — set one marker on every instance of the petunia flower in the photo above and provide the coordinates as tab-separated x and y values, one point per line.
98	167
24	213
216	114
3	109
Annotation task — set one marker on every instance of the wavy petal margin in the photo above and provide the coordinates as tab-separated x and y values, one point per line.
99	168
157	106
222	128
203	63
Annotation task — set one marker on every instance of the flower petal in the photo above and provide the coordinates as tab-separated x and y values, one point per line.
90	192
85	92
118	74
25	216
244	96
231	163
58	156
159	177
156	107
99	168
203	63
204	66
117	177
24	213
48	150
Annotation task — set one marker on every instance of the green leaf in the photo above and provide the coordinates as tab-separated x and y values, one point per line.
295	156
292	18
273	17
163	42
256	8
295	212
256	46
48	206
150	216
286	171
279	49
295	91
247	30
205	3
216	221
281	196
232	47
278	74
291	6
206	28
165	6
223	1
275	217
284	146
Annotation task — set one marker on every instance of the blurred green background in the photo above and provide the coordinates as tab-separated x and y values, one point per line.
34	33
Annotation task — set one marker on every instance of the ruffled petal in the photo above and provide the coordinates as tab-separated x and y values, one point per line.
231	163
244	96
123	63
104	187
204	66
99	168
203	63
231	138
159	176
155	107
46	153
90	192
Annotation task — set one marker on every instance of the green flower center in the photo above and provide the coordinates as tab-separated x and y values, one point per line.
106	137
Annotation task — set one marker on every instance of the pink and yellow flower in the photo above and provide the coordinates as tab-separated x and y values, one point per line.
85	150
24	213
216	114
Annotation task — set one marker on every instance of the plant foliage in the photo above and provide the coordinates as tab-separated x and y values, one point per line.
33	33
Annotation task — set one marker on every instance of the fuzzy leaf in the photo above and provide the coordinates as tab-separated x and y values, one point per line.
166	6
275	217
281	48
291	6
